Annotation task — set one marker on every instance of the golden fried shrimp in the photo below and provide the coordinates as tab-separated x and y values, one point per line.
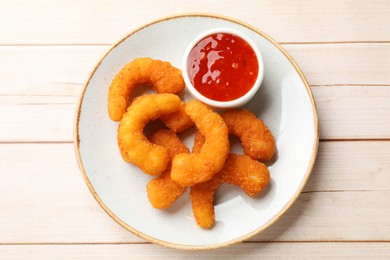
134	146
161	75
178	121
257	140
189	169
163	191
168	139
199	141
252	176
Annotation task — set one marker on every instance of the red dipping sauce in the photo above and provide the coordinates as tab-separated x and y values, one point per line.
222	67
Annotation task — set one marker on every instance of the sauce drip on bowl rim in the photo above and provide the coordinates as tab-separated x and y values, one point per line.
222	66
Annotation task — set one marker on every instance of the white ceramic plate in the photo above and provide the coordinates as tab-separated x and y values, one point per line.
284	102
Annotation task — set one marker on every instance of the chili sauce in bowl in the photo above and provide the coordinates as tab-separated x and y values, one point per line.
223	68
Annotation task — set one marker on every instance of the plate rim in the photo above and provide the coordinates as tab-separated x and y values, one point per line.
76	138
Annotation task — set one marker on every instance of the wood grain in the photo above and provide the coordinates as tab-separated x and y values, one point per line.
245	251
97	22
45	200
353	112
345	63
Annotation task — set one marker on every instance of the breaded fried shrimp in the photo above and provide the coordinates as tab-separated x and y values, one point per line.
240	170
202	202
161	75
156	149
178	121
151	158
168	139
257	140
189	169
163	191
199	140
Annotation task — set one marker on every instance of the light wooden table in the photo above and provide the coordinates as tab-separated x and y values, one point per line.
47	51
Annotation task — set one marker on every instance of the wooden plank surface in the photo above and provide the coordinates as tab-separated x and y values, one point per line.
353	112
245	250
97	22
343	63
